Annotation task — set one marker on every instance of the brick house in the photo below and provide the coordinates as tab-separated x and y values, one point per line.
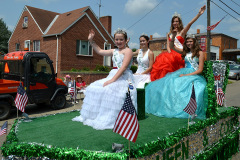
63	36
223	47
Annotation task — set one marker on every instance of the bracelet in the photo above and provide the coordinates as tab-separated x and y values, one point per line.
91	43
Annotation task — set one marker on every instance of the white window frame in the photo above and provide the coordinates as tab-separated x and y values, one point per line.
107	59
17	46
35	45
27	44
78	52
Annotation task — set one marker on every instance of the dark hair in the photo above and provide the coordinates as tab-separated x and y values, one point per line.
180	23
196	48
146	37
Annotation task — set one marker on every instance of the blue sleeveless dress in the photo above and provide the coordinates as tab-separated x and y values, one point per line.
168	96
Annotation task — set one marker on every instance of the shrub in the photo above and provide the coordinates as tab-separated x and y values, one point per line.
102	68
86	69
74	70
134	69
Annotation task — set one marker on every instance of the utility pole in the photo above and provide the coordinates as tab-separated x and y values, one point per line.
100	5
208	31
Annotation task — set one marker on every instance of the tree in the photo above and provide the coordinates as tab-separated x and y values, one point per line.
134	49
4	37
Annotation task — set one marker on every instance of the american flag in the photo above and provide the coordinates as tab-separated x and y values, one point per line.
210	28
21	98
192	105
4	128
127	123
220	96
72	90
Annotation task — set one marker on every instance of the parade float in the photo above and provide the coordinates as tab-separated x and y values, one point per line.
57	137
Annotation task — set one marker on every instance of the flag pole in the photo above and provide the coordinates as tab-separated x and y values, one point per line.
129	148
75	95
188	121
217	93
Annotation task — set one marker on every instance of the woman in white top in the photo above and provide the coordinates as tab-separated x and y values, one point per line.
145	61
104	98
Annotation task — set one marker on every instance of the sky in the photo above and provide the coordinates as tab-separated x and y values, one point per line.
151	17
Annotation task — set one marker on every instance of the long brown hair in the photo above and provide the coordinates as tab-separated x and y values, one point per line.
196	48
180	24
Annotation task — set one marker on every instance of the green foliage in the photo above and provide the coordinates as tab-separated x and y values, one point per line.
134	69
134	49
4	37
102	68
86	69
238	60
74	70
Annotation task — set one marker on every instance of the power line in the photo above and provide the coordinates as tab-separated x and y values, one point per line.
229	7
224	10
146	14
235	3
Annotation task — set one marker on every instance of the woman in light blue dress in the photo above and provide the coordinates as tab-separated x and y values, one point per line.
167	97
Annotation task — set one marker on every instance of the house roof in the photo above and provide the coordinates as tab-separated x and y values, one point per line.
42	17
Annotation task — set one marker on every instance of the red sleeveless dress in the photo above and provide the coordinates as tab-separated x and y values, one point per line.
167	62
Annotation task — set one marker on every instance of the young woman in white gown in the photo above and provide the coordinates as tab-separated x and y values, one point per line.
145	61
104	98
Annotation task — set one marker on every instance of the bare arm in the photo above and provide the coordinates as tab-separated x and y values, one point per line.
185	30
151	60
127	59
96	48
136	53
168	44
200	67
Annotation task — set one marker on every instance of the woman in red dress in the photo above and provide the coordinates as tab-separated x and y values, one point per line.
171	60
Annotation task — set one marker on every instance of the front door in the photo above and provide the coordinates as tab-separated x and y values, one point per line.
41	80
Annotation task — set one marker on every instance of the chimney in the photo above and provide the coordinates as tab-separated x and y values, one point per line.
107	23
151	37
198	31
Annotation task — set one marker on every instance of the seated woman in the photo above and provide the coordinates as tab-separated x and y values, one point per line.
168	96
80	84
104	98
171	60
145	60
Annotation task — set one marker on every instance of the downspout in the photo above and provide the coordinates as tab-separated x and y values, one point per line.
57	56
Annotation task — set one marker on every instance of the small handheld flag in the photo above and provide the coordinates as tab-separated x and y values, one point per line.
4	129
127	123
220	96
192	105
21	98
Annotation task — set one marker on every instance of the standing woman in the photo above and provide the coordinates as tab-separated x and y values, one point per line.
168	96
145	61
104	98
171	60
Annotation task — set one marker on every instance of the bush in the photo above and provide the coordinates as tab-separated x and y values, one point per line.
102	68
134	69
74	70
86	69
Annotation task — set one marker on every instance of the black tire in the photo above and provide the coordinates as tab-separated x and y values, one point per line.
5	110
237	77
59	101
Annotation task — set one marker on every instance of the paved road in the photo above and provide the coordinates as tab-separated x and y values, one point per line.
232	99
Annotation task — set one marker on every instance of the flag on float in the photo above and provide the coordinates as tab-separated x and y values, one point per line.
192	105
21	98
72	90
4	129
220	96
127	123
210	28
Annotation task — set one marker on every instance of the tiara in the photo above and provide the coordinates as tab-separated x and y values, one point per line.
120	31
176	15
190	36
143	34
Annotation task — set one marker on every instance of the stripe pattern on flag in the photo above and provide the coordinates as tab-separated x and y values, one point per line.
4	129
210	28
21	98
127	123
220	96
192	105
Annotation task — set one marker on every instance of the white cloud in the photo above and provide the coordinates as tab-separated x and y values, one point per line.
234	28
133	45
139	7
176	4
156	35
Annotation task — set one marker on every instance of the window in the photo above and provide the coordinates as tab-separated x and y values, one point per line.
36	45
40	70
25	22
84	48
107	59
27	45
17	47
164	46
211	41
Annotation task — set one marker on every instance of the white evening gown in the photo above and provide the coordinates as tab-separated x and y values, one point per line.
102	105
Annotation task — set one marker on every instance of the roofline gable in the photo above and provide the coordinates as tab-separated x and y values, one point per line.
51	24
